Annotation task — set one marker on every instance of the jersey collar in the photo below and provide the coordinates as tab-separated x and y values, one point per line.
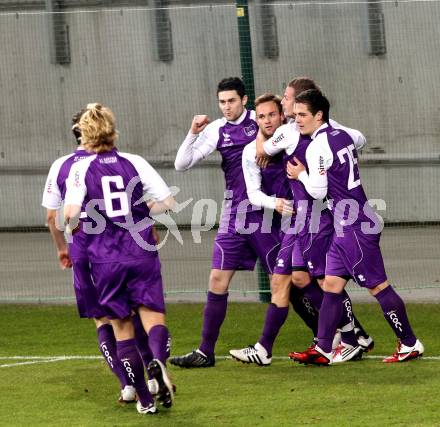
323	126
240	119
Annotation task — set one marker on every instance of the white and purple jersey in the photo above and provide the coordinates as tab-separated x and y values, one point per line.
333	172
264	185
229	138
55	188
113	187
286	138
55	191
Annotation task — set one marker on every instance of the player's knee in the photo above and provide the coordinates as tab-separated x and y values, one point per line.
334	284
280	283
218	282
100	321
300	279
280	287
374	291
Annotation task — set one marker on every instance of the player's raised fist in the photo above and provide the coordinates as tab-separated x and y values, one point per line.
199	123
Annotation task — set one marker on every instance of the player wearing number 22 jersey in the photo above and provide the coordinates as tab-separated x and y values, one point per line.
354	252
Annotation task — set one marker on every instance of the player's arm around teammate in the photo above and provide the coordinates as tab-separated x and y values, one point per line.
233	249
354	252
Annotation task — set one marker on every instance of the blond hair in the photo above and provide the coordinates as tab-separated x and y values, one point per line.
98	129
269	97
300	84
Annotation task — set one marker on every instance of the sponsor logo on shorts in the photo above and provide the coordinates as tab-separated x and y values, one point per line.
310	265
280	263
361	278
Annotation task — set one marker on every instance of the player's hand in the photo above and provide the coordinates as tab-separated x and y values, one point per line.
199	123
284	207
293	170
64	259
260	140
262	158
262	161
156	235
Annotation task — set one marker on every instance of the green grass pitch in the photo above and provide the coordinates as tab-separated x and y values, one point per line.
82	392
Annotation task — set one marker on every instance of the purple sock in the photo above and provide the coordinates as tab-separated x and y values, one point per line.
304	308
394	311
141	338
313	292
329	318
158	339
213	317
132	363
107	346
347	324
275	318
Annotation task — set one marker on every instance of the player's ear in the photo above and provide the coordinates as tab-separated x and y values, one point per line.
244	100
319	115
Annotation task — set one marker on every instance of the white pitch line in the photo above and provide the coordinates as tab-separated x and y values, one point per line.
62	357
363	357
29	363
32	360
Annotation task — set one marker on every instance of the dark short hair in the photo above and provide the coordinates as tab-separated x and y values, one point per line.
315	101
269	97
75	125
300	84
232	83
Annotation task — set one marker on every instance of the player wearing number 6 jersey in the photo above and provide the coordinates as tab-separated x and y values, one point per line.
76	257
121	248
354	252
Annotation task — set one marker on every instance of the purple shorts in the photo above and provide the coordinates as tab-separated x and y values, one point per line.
123	286
357	255
85	291
283	263
310	249
239	250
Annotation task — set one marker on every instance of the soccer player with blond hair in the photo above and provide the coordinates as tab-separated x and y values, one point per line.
268	187
125	264
75	256
312	237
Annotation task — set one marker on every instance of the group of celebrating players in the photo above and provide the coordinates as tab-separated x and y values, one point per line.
287	158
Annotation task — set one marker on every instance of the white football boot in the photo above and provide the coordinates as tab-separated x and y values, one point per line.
252	354
404	353
345	352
